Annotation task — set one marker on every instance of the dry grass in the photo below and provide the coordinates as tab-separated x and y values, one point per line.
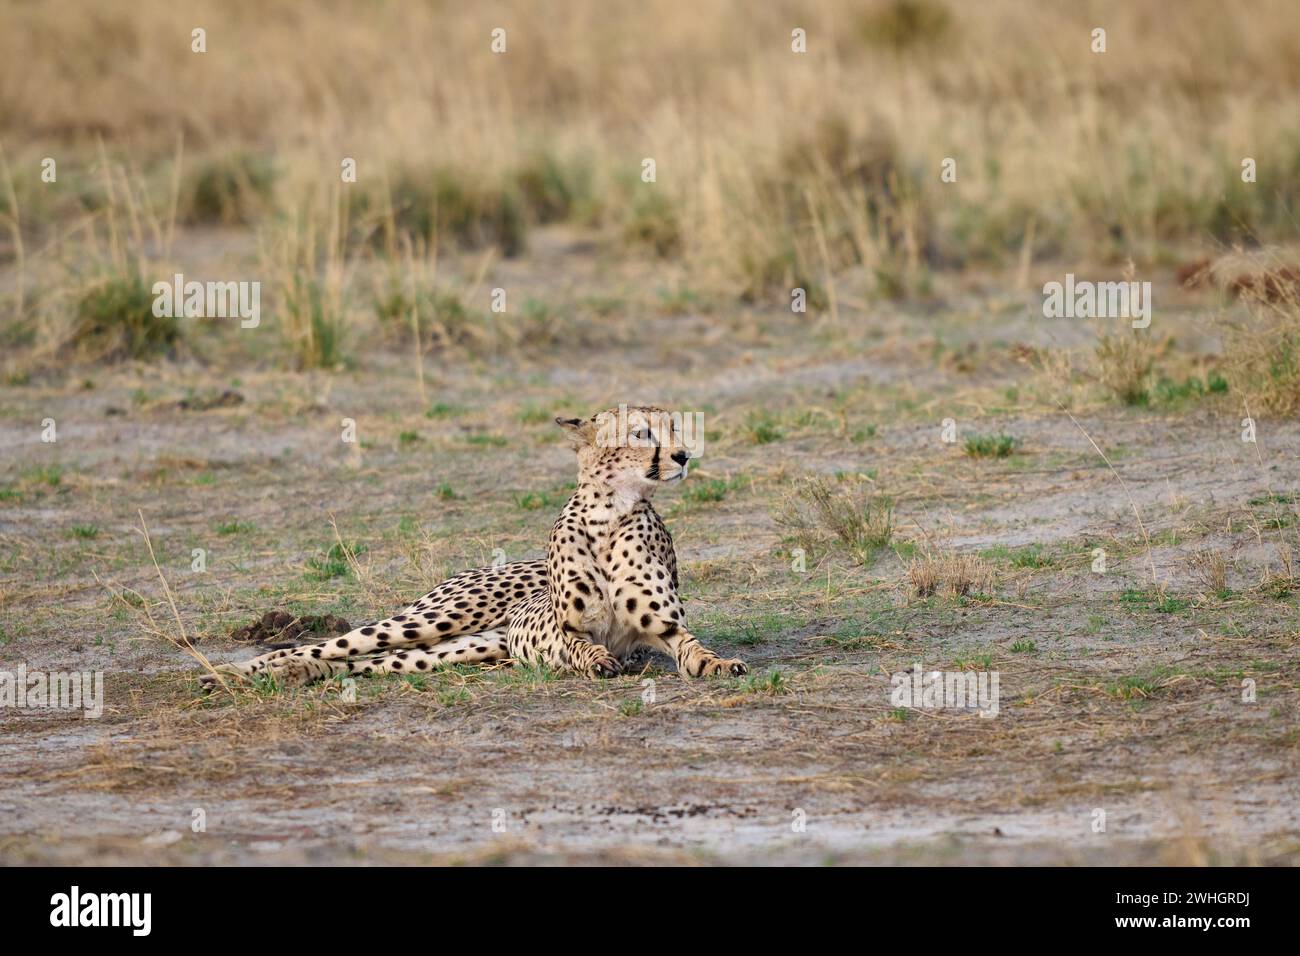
949	574
1210	566
1260	342
1284	579
1262	353
1124	363
755	192
304	259
820	515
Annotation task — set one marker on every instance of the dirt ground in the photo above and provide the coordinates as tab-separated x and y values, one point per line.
1123	692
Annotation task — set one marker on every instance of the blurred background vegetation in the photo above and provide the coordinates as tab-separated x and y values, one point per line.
774	169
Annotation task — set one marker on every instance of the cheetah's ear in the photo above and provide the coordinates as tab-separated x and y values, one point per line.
580	431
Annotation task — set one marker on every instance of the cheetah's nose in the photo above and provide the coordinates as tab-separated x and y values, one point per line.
681	457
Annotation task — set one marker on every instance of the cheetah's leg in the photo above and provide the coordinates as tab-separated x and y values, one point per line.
365	641
693	658
578	653
535	637
659	621
566	651
470	602
469	649
466	649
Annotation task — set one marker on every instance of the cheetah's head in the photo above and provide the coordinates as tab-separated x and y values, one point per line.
633	449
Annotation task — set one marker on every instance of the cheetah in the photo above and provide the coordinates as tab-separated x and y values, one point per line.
607	587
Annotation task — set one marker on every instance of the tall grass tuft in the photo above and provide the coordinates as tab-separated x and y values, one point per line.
114	319
444	205
850	515
1125	360
1262	354
445	322
901	25
556	189
951	574
313	321
303	254
229	190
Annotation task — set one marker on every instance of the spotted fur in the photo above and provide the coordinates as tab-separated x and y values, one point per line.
607	587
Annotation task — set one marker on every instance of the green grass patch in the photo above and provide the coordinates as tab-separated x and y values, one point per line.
1141	686
535	415
763	428
114	320
771	682
1278	509
523	675
712	490
1135	596
1153	600
991	446
1169	392
556	188
333	563
442	410
545	500
683	300
751	631
49	475
1028	556
1286	498
974	662
853	637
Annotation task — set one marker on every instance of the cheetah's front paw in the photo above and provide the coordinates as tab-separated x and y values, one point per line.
604	665
724	668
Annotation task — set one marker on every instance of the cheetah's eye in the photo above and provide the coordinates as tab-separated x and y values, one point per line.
641	434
